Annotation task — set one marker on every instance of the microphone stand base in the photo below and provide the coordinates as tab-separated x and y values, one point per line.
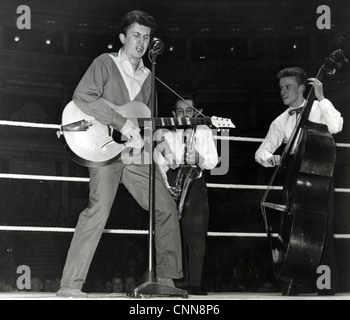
152	289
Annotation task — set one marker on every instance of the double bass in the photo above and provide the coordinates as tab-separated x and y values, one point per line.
296	224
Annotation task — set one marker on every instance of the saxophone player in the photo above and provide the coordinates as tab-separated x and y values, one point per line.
193	146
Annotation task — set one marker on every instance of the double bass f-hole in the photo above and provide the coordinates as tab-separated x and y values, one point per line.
296	224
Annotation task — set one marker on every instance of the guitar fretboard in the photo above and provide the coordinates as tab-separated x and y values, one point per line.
174	122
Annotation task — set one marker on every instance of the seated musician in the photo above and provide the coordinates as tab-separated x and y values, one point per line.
292	83
170	155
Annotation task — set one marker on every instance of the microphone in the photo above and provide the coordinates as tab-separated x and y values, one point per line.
156	46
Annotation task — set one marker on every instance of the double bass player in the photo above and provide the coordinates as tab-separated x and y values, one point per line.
292	83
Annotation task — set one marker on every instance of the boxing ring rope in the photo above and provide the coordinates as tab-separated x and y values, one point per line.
56	126
144	232
209	185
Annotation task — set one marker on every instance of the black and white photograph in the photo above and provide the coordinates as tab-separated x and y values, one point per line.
172	156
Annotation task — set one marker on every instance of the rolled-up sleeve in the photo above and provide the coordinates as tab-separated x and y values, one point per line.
206	148
271	143
331	116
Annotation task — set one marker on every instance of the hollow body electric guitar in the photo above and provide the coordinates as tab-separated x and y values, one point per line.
92	144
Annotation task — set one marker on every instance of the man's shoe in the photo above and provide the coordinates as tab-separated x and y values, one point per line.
290	291
70	293
166	282
296	289
326	292
197	291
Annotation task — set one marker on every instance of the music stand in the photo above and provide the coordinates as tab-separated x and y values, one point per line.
151	287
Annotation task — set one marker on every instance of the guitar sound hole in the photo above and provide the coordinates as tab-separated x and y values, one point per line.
118	137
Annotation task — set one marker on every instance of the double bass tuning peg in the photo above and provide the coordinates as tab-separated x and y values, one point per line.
342	40
335	61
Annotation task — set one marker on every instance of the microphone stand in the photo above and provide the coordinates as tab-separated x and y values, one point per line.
151	287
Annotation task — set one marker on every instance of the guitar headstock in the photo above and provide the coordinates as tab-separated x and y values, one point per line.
222	122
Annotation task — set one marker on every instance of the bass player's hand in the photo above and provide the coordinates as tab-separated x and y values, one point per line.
274	161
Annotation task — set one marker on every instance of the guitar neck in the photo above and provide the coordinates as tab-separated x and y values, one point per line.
174	122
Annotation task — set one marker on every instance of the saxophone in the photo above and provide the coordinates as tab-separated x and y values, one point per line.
186	175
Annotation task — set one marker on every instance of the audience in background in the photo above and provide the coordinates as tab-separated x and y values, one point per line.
228	270
37	285
130	283
117	283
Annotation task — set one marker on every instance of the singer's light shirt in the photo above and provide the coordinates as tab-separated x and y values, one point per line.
282	127
132	79
170	153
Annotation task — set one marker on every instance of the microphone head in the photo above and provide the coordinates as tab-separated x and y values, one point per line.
156	46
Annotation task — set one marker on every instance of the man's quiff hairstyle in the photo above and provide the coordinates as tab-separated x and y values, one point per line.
140	17
298	73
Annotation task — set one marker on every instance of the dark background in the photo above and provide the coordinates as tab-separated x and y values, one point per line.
227	53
